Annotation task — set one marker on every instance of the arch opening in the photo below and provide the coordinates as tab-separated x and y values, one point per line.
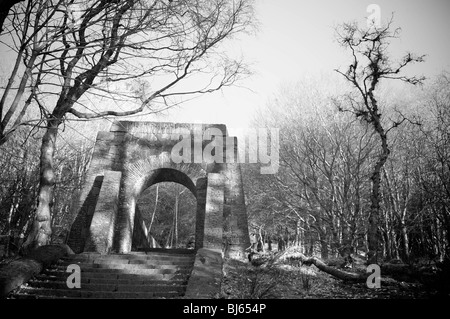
170	175
167	209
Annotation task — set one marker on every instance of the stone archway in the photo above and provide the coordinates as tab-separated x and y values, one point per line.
171	175
134	155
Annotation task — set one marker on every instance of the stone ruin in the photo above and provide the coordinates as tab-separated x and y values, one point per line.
133	156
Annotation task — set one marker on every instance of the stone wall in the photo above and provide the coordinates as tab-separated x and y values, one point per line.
206	277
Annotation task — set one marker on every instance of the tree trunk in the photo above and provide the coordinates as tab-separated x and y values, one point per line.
340	274
405	240
375	198
168	244
260	246
310	248
41	231
346	248
286	237
280	243
297	233
372	235
176	220
294	253
154	210
335	242
324	249
387	245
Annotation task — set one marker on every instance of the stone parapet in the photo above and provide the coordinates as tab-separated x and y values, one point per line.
206	277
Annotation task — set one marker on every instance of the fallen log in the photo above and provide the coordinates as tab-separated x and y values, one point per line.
293	253
400	272
19	271
340	274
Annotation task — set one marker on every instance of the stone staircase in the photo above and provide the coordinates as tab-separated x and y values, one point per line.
154	273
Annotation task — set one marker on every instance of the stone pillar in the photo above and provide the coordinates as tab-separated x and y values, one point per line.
201	186
213	239
125	224
236	221
129	189
101	231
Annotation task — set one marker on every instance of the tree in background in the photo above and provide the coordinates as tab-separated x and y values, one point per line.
73	51
169	210
369	65
433	175
19	184
318	196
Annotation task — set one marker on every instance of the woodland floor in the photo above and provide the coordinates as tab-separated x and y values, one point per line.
293	281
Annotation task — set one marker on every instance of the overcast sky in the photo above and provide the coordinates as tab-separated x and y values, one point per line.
296	39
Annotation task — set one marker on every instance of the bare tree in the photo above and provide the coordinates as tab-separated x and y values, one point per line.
320	189
369	65
27	35
73	51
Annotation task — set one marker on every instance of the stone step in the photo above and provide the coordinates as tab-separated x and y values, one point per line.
159	262
80	293
35	296
152	252
143	257
86	266
134	271
111	286
155	274
164	251
113	279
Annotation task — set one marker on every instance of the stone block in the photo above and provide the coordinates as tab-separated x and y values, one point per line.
206	277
